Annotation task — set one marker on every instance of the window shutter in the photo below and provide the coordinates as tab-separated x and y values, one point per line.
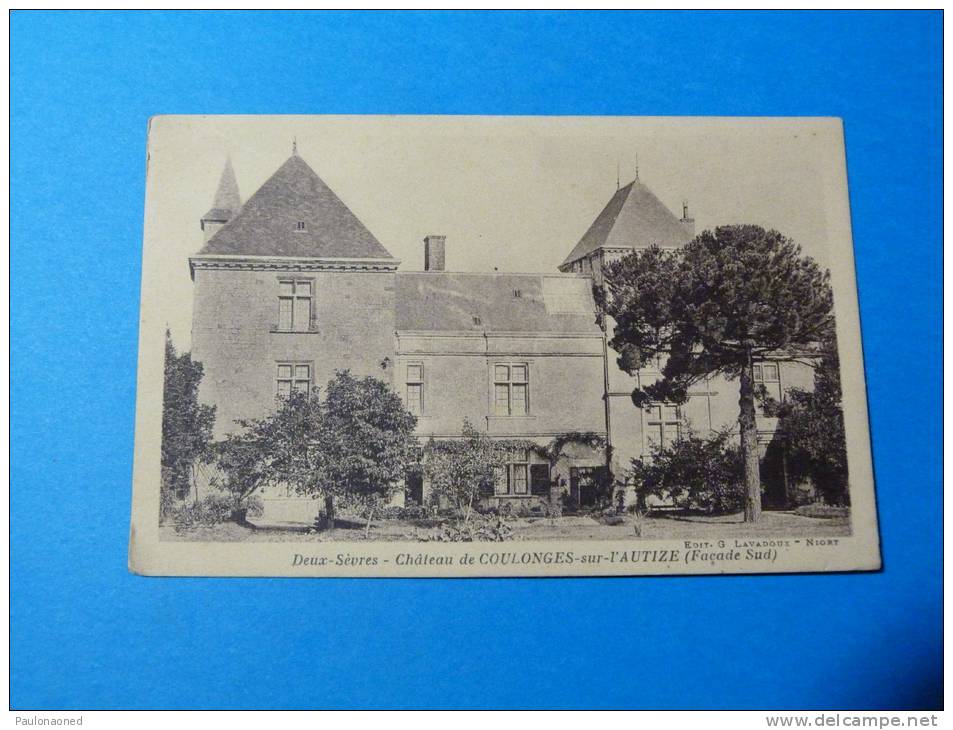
539	479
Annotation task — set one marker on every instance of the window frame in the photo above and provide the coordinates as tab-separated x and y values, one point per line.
662	422
758	380
293	378
510	383
294	298
408	382
504	477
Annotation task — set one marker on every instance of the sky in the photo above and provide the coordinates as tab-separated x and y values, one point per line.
511	193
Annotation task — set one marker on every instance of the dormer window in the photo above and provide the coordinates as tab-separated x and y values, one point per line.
300	227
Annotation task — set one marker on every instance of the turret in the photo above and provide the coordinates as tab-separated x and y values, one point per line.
226	205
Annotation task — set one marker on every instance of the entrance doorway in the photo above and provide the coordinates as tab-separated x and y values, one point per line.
585	483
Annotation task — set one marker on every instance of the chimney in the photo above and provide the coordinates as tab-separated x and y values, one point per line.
687	223
435	253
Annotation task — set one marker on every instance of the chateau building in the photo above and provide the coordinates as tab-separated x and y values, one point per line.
290	286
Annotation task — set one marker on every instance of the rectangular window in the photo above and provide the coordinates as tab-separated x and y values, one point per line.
767	374
415	397
518	403
293	377
662	426
502	400
415	388
294	305
511	389
501	483
513	478
520	481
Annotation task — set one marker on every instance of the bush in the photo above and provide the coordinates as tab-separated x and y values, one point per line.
410	512
823	511
570	503
522	508
695	473
213	510
480	529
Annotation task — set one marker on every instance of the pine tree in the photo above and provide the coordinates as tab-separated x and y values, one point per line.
713	307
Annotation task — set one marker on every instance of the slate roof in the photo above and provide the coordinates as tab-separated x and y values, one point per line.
227	200
634	217
267	224
447	301
218	214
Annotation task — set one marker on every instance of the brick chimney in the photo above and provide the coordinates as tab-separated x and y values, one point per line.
435	253
687	223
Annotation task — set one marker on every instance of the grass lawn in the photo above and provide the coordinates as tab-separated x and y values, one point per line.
655	527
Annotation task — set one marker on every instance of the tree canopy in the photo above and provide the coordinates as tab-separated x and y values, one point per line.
355	443
462	470
726	298
730	294
367	439
813	423
186	423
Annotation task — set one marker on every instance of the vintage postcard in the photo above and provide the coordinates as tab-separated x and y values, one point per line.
499	346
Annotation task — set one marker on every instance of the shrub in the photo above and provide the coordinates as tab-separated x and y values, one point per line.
480	529
522	508
215	509
410	512
823	511
695	473
570	503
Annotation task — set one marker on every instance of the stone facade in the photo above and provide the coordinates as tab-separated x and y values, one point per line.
235	333
290	287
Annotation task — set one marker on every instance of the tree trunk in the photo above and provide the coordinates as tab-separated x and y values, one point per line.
640	500
367	527
329	511
749	444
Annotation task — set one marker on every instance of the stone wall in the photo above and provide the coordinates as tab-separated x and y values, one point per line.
566	382
235	337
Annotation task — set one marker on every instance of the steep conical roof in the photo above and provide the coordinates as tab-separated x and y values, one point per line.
227	200
295	214
634	217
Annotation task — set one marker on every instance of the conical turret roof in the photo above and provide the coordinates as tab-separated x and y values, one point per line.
633	218
227	200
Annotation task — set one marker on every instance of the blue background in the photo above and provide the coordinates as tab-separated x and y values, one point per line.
87	634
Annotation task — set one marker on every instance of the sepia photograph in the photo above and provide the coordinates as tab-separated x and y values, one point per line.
473	332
